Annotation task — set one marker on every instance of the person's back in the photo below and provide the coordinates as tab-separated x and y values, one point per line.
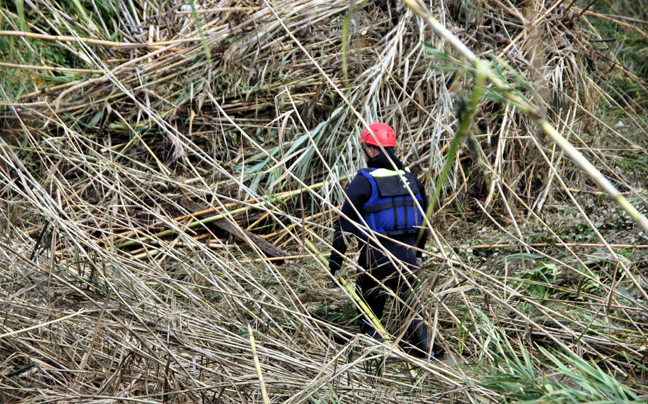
379	203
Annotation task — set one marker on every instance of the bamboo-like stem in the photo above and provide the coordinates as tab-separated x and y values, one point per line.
257	366
95	41
276	198
531	110
584	245
284	258
216	9
84	361
50	68
288	228
9	334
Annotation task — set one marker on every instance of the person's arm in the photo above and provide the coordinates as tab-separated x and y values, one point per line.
424	206
358	194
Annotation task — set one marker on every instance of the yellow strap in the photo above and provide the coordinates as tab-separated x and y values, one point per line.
384	172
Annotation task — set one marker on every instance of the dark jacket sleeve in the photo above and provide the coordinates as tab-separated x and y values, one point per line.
424	206
358	194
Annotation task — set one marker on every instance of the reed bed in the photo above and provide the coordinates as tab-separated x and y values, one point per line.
170	173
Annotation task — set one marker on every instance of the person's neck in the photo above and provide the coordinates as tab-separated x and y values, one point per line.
382	160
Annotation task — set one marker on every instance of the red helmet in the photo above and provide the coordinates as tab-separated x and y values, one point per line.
384	134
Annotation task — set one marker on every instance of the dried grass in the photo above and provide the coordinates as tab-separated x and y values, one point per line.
115	286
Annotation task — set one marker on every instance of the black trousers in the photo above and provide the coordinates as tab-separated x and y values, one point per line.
401	284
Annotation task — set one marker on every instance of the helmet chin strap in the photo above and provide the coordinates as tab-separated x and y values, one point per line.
366	154
366	149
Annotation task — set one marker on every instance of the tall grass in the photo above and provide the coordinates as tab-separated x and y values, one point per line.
119	179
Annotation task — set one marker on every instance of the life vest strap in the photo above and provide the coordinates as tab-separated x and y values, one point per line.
386	172
384	206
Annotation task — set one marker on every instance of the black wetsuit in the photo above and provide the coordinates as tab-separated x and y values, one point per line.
371	258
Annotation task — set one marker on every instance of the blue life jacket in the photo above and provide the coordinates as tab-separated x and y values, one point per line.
391	210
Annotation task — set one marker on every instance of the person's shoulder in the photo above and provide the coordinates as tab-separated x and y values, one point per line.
366	170
361	183
361	176
358	191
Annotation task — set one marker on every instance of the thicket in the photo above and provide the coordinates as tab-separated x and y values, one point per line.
170	173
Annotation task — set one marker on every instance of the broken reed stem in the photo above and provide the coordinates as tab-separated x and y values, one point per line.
288	228
183	217
9	334
51	69
84	361
287	257
259	220
268	203
529	109
588	245
95	41
257	366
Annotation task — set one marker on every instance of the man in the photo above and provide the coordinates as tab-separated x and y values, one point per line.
388	211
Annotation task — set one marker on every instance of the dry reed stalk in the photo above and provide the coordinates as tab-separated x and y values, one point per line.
535	113
226	131
585	245
257	365
89	41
